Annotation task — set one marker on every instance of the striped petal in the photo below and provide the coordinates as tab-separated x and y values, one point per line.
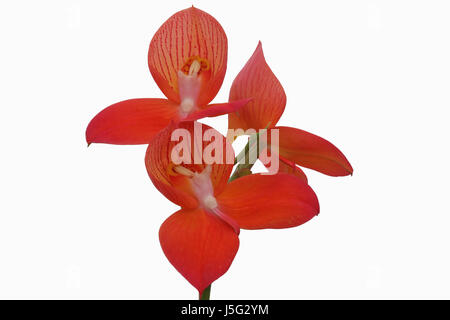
257	81
161	160
189	35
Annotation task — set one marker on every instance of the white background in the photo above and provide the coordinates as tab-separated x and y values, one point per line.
371	76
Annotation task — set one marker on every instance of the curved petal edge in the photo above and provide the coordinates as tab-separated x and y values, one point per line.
257	81
199	245
269	201
134	121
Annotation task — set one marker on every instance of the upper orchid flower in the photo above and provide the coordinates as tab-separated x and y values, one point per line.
296	147
187	59
201	239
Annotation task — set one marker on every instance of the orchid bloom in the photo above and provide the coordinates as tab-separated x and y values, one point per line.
201	239
296	147
187	58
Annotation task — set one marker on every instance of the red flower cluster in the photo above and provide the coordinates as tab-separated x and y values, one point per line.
187	58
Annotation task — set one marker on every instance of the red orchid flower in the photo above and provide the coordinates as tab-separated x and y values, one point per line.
187	59
201	239
296	147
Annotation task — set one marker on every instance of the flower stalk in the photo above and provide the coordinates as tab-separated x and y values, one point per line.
205	294
242	169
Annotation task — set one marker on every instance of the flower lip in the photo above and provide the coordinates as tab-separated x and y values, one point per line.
203	188
189	86
190	79
204	192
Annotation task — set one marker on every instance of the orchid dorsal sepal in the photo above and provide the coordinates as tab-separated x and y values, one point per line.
204	191
193	42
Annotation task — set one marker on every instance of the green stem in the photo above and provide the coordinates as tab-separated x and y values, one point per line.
242	169
205	294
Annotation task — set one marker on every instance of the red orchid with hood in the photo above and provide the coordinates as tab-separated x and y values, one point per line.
191	164
201	239
295	146
187	58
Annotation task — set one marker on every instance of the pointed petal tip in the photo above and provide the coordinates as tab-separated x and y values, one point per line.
346	171
259	46
257	80
88	137
192	8
348	168
311	151
259	51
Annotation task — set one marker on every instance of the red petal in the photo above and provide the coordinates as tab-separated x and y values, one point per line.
214	110
177	188
199	245
258	82
188	33
313	152
269	201
134	121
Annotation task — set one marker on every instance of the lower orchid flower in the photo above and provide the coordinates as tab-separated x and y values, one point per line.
187	58
202	238
295	147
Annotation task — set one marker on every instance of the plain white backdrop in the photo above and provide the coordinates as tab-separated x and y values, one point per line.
373	77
